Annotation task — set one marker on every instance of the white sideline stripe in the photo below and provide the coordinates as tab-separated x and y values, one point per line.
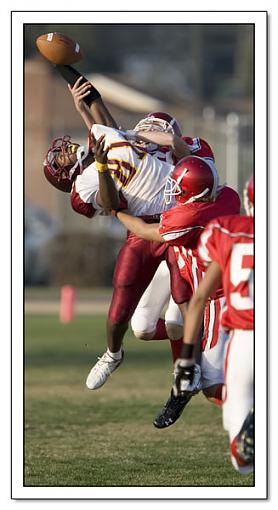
44	307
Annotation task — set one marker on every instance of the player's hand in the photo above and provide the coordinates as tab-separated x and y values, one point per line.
187	376
78	93
99	151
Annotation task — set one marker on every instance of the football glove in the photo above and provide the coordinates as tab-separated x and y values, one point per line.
187	377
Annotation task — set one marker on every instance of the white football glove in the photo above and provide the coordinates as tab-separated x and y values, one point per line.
187	377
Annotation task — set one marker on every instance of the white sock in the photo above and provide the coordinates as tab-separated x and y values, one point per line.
115	355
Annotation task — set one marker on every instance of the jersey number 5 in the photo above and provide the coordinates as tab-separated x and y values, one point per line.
242	262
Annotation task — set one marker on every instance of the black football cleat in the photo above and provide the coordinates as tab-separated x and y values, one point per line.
171	411
245	439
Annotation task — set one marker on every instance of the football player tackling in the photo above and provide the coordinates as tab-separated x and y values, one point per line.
199	198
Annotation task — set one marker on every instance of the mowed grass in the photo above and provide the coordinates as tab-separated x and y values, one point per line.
78	437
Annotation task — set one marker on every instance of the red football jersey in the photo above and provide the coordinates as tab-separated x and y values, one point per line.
229	241
182	225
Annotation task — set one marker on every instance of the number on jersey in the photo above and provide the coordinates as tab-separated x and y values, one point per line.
242	263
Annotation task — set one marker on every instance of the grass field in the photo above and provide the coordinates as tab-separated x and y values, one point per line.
78	437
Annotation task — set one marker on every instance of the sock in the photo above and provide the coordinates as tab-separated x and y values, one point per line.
176	346
115	355
160	332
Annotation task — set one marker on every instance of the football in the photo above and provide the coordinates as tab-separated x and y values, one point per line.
58	48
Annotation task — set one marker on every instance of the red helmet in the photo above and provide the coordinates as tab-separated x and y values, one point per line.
57	166
191	179
159	121
249	197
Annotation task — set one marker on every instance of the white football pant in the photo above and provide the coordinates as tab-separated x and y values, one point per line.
238	390
152	304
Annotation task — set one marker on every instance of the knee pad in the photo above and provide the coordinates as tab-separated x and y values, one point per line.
174	331
144	335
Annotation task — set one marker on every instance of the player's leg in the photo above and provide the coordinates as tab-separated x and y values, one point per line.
173	321
213	346
238	399
146	322
134	271
174	406
212	363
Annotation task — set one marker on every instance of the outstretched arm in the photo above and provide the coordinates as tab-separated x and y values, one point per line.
79	92
178	146
95	106
148	231
101	114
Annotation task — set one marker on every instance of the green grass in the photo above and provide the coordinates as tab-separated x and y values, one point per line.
78	437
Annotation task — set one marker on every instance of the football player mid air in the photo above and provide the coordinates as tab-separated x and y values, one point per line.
199	198
139	169
131	170
227	247
146	322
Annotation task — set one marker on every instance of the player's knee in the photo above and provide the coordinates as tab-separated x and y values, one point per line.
144	335
174	331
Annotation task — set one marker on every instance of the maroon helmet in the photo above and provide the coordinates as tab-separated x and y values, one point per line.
192	178
63	162
159	121
249	197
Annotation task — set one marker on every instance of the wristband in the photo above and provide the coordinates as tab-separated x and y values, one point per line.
101	167
187	351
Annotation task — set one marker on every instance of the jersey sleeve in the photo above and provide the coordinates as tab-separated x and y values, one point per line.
178	228
85	208
199	147
84	193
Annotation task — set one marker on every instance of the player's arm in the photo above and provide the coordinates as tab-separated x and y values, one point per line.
107	196
101	114
178	146
148	231
91	98
184	367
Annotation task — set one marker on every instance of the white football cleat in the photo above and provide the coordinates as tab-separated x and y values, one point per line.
101	371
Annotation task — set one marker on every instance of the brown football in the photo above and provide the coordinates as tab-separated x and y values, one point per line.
58	48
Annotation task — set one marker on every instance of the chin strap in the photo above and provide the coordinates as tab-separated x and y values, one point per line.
196	197
81	154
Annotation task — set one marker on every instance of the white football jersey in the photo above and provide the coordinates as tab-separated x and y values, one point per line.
139	176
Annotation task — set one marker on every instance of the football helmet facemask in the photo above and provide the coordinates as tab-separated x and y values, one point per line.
248	197
192	179
159	121
63	162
